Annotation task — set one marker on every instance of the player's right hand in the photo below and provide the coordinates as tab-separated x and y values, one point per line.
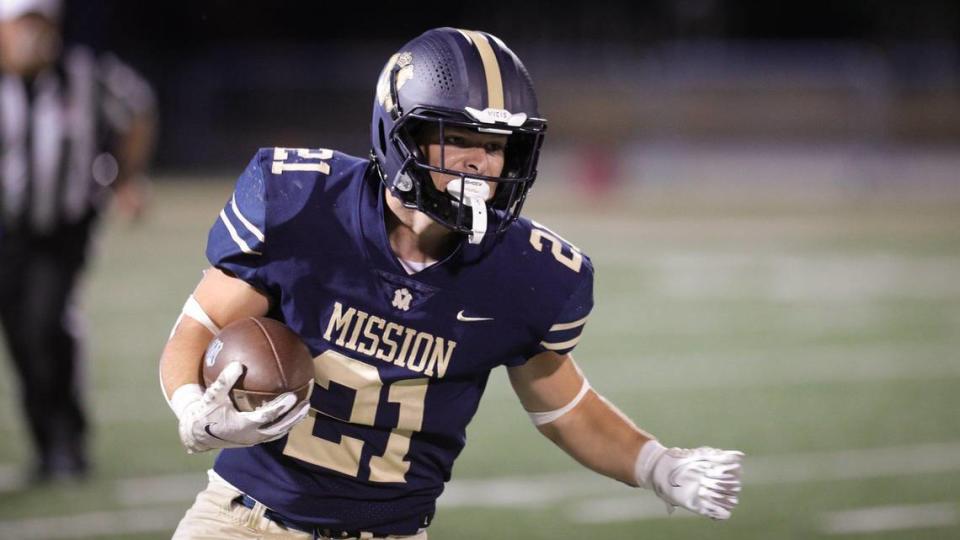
703	480
209	420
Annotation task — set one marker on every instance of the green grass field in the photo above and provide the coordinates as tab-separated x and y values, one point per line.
821	339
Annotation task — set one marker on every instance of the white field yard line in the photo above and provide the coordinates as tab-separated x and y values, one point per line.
749	369
620	509
762	367
172	488
799	468
611	510
885	462
769	230
542	490
746	368
758	470
120	523
843	365
815	277
580	488
891	518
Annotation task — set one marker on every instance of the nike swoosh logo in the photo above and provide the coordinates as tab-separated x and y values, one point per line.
207	429
464	318
672	477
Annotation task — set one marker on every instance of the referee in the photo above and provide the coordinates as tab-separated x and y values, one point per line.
74	126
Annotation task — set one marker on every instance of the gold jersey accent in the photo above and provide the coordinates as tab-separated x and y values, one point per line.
376	337
491	68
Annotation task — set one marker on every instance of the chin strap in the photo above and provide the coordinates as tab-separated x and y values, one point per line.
475	193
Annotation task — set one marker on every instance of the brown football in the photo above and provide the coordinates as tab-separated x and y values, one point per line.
274	357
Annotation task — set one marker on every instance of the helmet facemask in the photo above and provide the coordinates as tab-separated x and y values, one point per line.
463	206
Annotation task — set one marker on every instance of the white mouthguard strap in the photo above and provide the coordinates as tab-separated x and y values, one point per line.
479	208
475	193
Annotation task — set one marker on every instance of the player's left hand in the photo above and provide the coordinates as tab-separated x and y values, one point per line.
703	480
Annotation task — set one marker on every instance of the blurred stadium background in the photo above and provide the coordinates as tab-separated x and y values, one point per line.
770	193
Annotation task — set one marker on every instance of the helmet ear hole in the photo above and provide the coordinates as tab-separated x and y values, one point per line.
383	138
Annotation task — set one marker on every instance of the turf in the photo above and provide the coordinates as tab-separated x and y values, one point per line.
777	328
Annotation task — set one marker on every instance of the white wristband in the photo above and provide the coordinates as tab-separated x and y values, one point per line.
646	459
183	396
541	418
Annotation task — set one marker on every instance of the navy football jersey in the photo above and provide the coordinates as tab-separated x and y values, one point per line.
401	360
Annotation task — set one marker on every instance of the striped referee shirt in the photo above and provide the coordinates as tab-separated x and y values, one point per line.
57	132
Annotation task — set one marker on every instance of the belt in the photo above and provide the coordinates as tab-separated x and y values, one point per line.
317	532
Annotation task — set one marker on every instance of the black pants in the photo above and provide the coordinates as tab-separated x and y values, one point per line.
38	275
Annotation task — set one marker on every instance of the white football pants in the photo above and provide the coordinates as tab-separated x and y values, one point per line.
217	515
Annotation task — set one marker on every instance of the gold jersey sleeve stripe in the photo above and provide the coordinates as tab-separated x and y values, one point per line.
560	346
236	237
491	68
568	326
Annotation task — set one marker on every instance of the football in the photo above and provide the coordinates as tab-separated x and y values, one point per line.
274	358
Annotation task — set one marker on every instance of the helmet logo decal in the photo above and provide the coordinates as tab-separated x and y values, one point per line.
405	61
491	116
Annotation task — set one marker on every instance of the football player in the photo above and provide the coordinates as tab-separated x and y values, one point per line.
410	276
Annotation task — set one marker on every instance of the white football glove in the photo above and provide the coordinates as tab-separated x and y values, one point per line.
703	480
209	420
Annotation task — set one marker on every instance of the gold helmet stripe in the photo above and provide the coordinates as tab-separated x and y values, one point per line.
491	68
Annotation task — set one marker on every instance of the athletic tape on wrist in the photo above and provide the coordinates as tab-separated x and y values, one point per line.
183	396
647	457
541	418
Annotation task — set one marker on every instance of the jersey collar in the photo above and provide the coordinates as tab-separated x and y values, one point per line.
372	219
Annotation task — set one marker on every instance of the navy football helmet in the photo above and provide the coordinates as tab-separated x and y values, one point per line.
449	77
